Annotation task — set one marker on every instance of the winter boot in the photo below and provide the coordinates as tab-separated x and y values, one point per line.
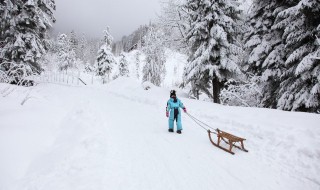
171	130
179	131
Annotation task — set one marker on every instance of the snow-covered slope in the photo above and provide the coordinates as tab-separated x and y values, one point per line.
115	137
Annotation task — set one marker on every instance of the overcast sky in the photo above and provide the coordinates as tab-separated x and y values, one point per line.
93	16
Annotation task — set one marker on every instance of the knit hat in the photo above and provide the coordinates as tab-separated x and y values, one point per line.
172	93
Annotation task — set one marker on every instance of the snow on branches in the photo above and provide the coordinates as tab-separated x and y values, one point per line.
105	60
123	66
24	26
212	36
154	69
299	86
245	93
66	55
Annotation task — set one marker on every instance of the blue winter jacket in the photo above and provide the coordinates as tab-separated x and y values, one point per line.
171	107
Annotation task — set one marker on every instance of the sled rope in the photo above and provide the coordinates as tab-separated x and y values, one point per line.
202	124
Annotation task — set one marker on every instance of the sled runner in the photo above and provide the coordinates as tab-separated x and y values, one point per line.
231	140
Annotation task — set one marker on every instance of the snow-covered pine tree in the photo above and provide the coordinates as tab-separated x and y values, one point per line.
105	60
93	46
73	41
66	55
23	29
123	66
138	64
212	36
82	48
154	69
265	48
300	84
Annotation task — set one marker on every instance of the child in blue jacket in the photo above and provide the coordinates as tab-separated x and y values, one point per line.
173	107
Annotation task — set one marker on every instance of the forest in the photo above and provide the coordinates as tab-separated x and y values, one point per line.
265	55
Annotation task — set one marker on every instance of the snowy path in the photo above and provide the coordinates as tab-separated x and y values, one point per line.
116	137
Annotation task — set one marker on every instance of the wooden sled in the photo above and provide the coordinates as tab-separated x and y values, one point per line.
231	140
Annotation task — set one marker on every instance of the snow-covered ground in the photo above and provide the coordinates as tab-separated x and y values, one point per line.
115	137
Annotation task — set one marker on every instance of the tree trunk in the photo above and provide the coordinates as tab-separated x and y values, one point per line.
216	90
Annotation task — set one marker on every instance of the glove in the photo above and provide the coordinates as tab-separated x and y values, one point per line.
185	110
167	114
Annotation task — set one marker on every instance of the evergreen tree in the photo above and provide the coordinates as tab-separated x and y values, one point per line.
212	35
154	69
73	41
92	49
138	64
23	30
66	55
105	60
123	66
82	48
265	48
300	84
